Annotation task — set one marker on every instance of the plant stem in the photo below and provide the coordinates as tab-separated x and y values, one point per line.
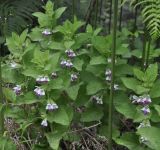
120	17
96	14
144	50
73	9
1	102
148	52
115	14
110	17
100	10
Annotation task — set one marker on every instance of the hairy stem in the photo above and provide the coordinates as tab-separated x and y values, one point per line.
115	14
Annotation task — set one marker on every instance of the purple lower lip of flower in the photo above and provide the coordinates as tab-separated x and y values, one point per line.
42	79
145	110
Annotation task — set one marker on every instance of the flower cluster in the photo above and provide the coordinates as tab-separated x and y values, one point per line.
66	63
17	89
51	106
144	101
108	74
42	79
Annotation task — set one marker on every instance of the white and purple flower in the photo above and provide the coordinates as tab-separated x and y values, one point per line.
70	53
50	106
145	110
13	65
17	89
54	75
44	123
42	79
74	77
97	99
46	32
39	91
108	74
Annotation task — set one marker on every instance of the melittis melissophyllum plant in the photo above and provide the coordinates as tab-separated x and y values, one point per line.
56	79
51	74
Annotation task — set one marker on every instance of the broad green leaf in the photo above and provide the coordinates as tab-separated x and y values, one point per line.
94	86
92	114
100	43
151	73
96	60
56	46
78	64
54	139
28	98
154	93
157	108
72	91
9	94
59	116
152	134
59	12
131	83
138	73
129	140
6	144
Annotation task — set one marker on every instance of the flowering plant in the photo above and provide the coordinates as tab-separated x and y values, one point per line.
59	78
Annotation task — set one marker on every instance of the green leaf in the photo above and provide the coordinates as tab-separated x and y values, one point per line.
54	139
92	114
131	83
59	116
6	144
28	98
154	93
151	73
59	12
56	46
152	134
100	43
124	106
157	108
72	91
40	58
94	86
96	60
78	64
129	140
9	94
138	73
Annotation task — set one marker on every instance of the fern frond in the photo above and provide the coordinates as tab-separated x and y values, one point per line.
17	14
151	15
